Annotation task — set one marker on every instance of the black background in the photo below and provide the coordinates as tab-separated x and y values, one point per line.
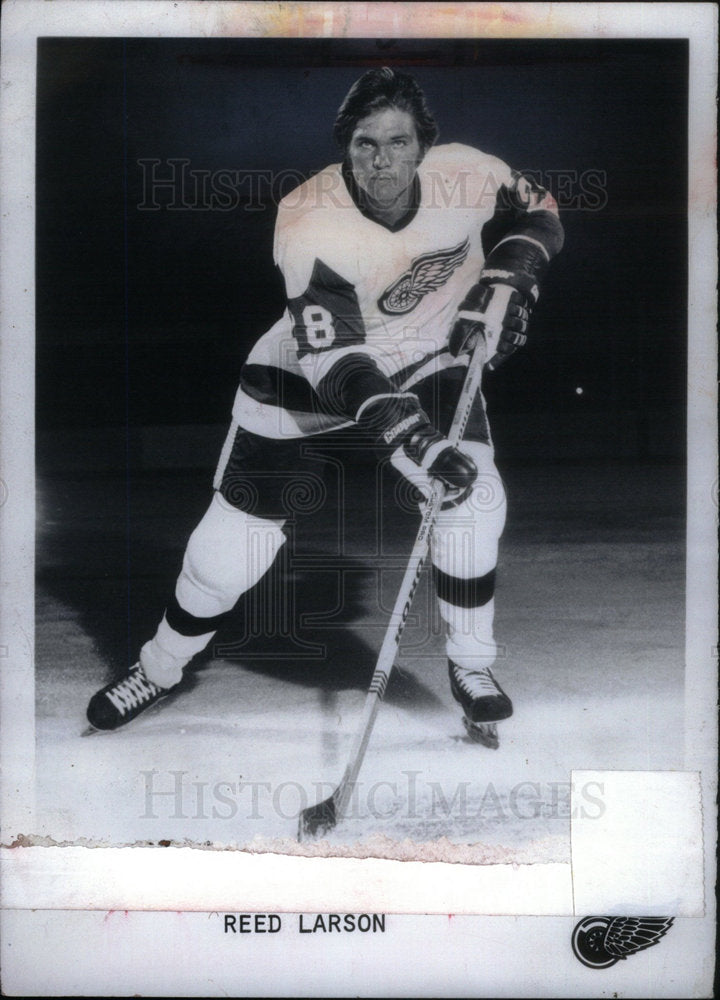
145	317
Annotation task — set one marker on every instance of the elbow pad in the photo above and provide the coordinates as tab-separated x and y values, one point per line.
351	382
522	258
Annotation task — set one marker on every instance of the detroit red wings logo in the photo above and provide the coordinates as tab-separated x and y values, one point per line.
600	942
425	274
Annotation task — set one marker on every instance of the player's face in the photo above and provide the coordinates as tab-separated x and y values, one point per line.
384	154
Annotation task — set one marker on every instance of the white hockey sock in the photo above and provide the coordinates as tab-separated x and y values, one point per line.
164	657
464	555
227	554
470	640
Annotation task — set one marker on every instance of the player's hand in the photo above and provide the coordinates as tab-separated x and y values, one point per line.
455	470
435	458
402	430
468	327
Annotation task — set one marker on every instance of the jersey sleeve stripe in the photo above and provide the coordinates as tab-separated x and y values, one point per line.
528	239
385	395
276	422
279	387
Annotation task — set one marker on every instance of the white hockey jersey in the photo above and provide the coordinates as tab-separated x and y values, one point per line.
355	285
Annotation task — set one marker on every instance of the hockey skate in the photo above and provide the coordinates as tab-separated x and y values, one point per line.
483	701
122	701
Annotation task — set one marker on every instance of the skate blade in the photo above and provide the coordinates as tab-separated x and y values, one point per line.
92	731
484	733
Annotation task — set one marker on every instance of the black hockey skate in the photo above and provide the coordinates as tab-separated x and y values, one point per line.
122	701
483	701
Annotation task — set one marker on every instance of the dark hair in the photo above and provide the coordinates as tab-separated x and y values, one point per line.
384	88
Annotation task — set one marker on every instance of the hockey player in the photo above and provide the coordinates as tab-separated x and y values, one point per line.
389	259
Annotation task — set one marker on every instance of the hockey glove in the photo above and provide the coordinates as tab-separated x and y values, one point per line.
469	324
417	449
520	261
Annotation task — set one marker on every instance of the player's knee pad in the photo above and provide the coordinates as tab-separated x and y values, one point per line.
465	538
228	552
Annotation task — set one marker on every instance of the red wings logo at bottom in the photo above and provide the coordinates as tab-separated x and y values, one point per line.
600	942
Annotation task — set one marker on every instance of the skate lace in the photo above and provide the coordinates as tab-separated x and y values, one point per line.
477	683
132	691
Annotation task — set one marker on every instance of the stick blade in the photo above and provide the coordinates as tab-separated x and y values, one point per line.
314	821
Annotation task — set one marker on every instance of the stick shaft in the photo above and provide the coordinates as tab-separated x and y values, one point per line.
411	577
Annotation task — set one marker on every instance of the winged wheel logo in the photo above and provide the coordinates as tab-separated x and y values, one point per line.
600	942
426	273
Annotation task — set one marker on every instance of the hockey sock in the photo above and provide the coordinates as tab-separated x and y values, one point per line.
464	557
163	667
227	554
470	639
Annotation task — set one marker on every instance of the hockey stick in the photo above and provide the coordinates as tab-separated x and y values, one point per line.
318	819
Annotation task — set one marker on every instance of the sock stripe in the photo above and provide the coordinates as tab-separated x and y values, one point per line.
472	593
186	624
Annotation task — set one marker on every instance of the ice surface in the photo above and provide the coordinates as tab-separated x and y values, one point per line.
589	612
